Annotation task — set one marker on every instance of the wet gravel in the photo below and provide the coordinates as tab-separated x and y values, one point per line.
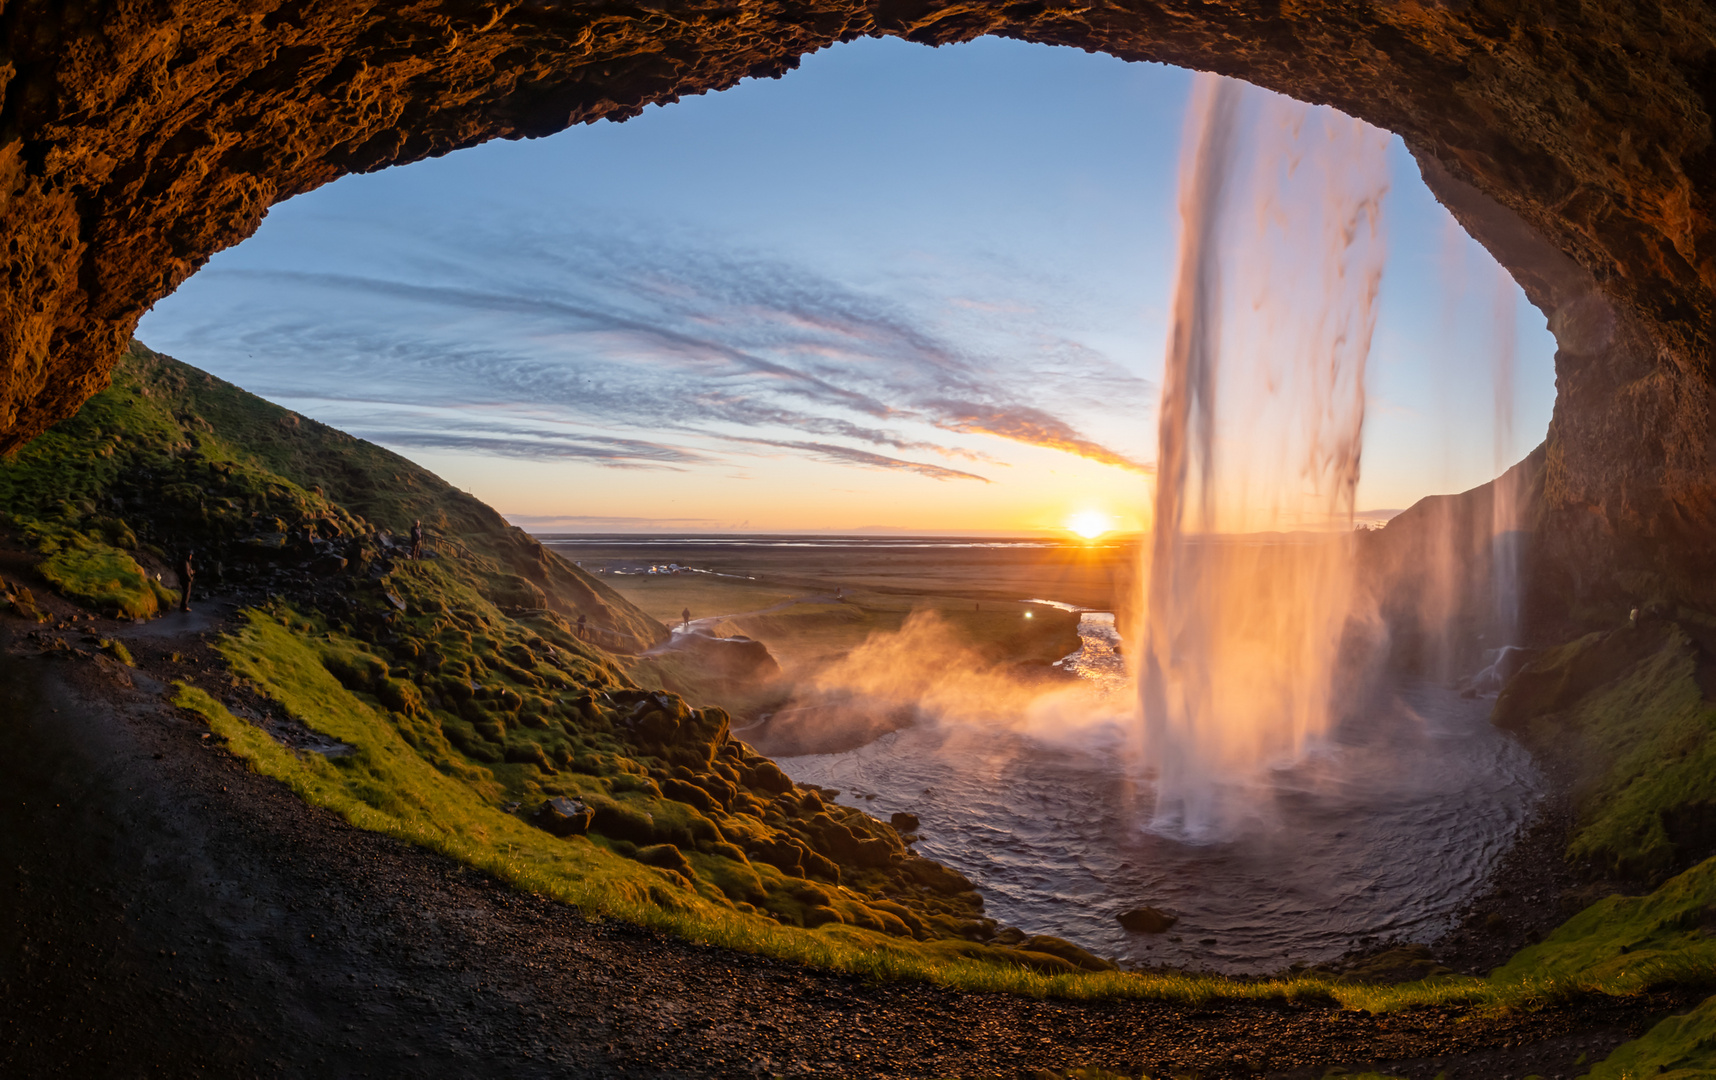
170	913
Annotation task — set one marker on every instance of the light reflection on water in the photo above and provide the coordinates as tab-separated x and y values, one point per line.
1382	832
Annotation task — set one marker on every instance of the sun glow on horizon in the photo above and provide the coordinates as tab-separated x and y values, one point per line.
1090	524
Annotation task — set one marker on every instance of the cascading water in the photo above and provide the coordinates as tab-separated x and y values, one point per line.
1287	668
1507	500
1260	428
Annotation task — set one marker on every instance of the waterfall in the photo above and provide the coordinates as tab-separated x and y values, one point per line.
1249	582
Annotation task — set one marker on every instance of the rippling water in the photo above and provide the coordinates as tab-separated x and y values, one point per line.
1382	832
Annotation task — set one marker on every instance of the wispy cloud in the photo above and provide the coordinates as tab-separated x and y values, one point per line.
612	453
846	455
1033	427
571	345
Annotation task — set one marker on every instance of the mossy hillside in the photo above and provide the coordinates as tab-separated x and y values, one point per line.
112	495
169	457
716	856
458	703
521	711
1630	944
1679	1048
493	688
702	868
1625	710
388	785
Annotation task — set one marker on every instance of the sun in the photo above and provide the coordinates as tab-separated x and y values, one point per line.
1089	524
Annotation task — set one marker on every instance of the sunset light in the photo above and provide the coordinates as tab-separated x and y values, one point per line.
1090	524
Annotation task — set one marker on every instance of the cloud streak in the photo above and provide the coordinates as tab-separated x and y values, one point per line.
845	455
1032	427
613	336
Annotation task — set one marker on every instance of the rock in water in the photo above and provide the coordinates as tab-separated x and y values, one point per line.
904	823
1146	920
564	817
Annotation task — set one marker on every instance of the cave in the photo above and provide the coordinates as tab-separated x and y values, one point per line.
1573	141
139	139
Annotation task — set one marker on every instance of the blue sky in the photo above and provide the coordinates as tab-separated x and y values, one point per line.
901	287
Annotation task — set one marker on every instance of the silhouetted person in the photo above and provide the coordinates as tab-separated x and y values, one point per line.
581	625
416	539
187	574
686	616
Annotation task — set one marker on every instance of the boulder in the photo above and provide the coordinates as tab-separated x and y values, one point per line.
1146	920
563	816
904	823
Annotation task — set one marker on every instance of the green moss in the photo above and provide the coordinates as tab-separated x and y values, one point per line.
1679	1048
388	786
1626	710
169	457
1626	944
95	575
116	649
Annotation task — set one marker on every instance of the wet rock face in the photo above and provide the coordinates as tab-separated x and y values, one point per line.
136	140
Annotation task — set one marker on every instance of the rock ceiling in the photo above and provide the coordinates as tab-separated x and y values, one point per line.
138	137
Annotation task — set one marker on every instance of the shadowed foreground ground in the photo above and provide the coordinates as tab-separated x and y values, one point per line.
169	913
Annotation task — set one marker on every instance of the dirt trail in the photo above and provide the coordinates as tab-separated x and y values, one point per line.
170	913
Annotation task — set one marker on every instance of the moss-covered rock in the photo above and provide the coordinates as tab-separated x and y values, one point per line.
1627	713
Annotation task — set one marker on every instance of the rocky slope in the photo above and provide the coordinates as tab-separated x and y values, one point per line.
477	699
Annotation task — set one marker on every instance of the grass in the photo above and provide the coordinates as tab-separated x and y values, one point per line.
1629	944
386	785
96	575
1679	1048
169	458
1620	946
812	630
462	687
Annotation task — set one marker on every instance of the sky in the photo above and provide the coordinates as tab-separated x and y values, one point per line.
901	288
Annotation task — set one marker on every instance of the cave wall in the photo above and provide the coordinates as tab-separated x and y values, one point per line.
139	137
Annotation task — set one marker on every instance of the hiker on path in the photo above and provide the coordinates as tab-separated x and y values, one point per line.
685	615
417	540
581	618
187	574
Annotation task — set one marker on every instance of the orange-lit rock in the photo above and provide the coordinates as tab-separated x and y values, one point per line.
136	140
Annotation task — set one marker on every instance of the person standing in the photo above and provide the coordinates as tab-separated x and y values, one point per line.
417	540
581	626
685	617
187	574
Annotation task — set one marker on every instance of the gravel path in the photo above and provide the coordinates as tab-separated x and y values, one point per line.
171	913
